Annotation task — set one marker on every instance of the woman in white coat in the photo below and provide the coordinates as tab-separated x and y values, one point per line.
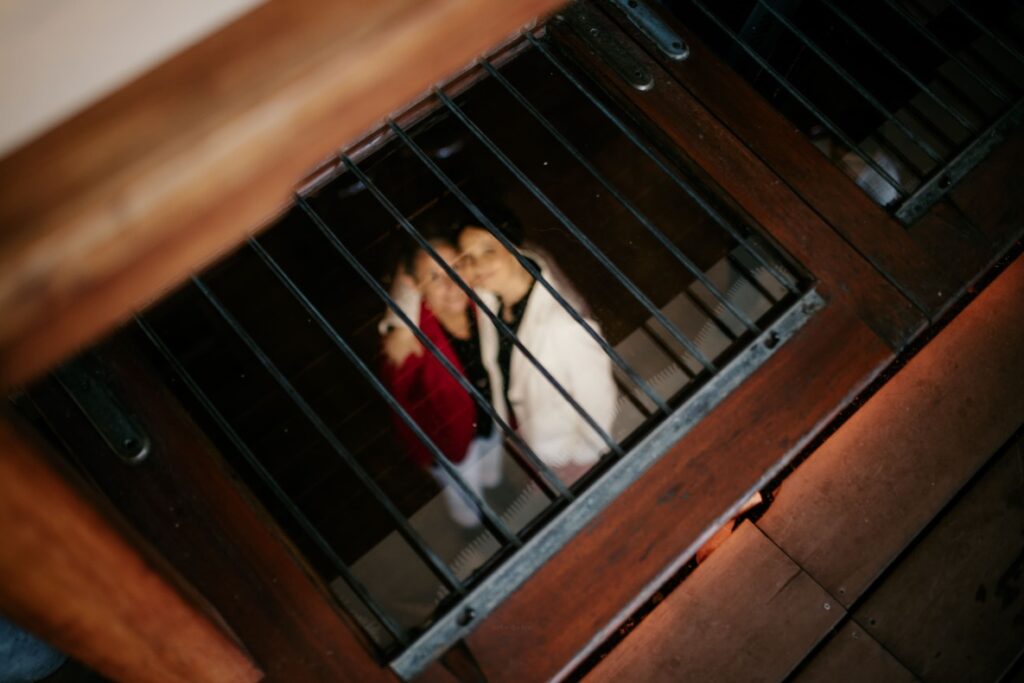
548	423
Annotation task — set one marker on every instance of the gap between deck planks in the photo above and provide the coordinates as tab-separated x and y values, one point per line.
850	509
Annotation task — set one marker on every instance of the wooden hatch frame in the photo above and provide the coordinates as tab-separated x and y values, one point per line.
99	220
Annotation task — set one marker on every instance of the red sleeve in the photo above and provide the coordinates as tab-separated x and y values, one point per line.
405	382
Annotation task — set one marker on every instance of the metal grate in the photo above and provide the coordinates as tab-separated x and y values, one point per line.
906	96
241	338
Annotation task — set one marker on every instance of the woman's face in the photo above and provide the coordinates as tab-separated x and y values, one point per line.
487	262
438	290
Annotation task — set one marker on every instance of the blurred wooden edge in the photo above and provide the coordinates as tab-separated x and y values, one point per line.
68	575
111	209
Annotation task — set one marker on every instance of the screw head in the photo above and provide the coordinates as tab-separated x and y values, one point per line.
467	616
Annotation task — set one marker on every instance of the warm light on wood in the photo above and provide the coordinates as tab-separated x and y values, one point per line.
112	208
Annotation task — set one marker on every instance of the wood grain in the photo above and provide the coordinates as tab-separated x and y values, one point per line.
852	655
847	512
869	228
951	609
747	614
110	209
69	576
565	610
990	196
773	206
190	505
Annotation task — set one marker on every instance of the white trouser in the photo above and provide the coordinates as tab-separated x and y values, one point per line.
480	469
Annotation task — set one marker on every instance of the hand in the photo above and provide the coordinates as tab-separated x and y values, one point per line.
399	344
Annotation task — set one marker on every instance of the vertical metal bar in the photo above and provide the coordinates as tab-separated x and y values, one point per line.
691	192
410	534
913	171
960	118
800	97
668	244
425	245
628	393
848	77
530	268
307	526
714	319
929	124
963	97
750	277
491	520
578	234
668	351
1010	50
933	39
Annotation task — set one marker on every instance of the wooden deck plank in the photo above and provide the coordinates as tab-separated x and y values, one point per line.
990	196
848	511
853	656
718	157
110	209
70	574
824	186
583	593
953	609
189	504
747	614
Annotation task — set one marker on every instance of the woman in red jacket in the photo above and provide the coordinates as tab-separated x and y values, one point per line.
461	428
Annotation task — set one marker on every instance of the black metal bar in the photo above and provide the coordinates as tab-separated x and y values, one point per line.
848	77
880	49
243	448
411	535
749	276
934	40
706	310
996	71
628	393
1012	51
530	268
506	578
906	164
623	279
963	97
940	183
425	245
690	191
668	351
550	481
668	244
929	124
803	99
500	530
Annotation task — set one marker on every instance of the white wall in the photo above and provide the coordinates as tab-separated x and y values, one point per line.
58	56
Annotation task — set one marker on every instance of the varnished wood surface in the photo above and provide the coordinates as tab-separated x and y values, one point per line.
882	240
990	196
772	205
110	209
950	609
69	575
747	614
853	656
606	571
186	501
847	512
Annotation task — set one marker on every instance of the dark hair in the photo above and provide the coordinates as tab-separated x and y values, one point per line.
435	237
500	216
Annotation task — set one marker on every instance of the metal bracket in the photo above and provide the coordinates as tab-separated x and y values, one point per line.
625	60
510	575
655	28
86	381
917	204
